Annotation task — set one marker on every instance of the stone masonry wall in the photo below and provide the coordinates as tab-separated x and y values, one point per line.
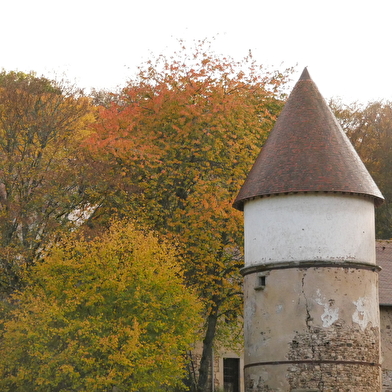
386	346
320	378
310	369
386	380
337	343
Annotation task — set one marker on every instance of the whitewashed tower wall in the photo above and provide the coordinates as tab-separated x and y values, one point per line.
310	278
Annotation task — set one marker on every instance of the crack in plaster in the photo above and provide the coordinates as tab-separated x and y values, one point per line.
309	318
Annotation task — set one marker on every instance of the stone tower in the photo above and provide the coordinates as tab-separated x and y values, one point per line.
310	278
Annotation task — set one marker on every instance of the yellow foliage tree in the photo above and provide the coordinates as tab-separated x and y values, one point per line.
42	173
109	314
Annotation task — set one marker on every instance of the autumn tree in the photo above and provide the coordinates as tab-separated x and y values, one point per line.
369	128
182	136
109	314
42	123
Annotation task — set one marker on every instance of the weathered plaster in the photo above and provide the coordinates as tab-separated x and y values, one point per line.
361	315
307	327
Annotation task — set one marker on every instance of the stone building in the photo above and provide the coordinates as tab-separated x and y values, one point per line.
384	260
227	369
312	320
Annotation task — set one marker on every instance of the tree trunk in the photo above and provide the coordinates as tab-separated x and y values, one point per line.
206	357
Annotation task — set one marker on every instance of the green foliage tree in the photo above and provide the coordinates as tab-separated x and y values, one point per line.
369	128
181	138
42	178
109	314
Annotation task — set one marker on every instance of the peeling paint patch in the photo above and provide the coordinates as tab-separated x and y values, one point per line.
331	314
361	315
279	309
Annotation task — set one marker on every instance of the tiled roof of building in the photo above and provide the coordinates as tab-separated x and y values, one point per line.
307	151
384	260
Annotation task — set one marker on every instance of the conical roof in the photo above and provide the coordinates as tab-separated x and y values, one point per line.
307	151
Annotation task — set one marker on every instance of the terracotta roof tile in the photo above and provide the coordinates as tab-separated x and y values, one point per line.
307	151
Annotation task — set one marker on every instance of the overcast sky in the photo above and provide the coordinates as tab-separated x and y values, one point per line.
346	44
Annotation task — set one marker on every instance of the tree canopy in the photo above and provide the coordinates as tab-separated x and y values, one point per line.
369	128
107	314
42	123
182	136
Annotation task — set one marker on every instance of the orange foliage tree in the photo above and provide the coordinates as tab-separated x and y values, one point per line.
180	139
